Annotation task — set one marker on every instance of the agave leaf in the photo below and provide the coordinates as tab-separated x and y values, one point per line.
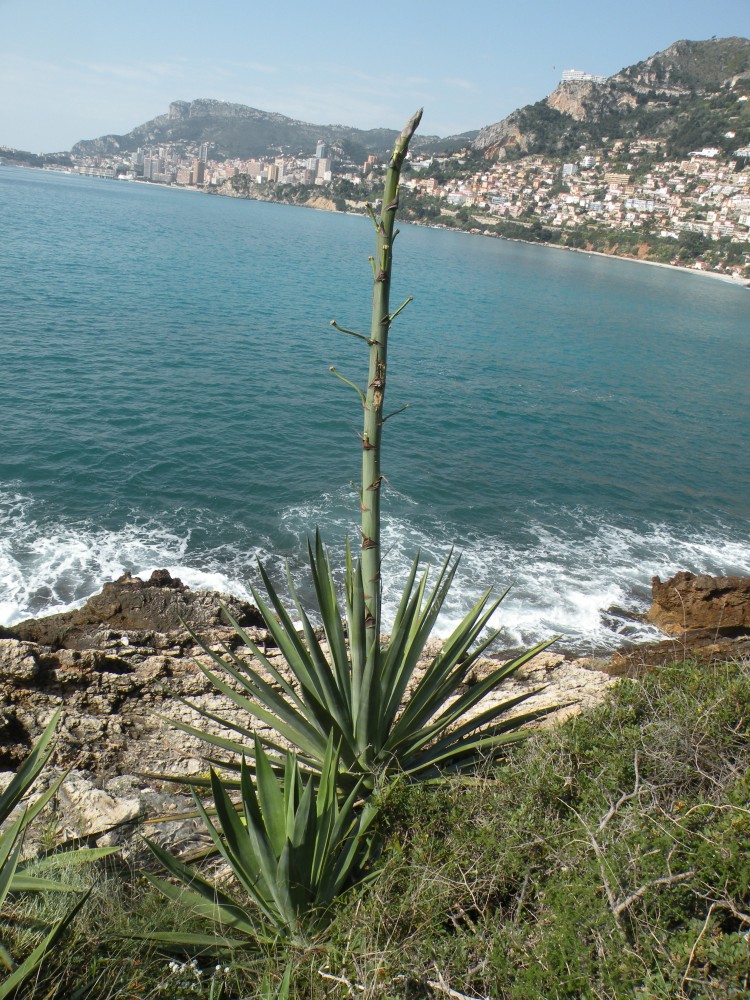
319	663
29	770
201	944
293	845
202	897
349	838
32	883
434	688
479	722
283	991
206	902
257	687
423	746
19	975
355	617
422	624
271	799
280	714
243	666
73	855
10	852
289	643
477	691
245	847
325	590
232	746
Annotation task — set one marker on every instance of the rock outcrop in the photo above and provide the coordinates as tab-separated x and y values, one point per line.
579	112
687	602
708	618
160	604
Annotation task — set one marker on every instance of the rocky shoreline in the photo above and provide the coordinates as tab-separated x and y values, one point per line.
126	667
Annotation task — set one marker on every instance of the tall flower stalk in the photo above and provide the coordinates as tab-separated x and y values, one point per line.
373	406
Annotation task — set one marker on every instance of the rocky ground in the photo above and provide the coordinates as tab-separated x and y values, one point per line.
126	667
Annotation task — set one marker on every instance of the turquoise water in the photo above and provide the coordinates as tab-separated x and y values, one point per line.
577	424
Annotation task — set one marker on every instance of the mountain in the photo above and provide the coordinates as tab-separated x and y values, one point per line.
238	130
686	94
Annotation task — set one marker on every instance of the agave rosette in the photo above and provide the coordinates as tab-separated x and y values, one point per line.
384	711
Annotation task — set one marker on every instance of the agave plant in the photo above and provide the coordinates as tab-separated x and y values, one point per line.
14	878
292	847
386	712
370	697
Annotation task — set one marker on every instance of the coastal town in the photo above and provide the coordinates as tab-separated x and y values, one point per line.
700	203
634	196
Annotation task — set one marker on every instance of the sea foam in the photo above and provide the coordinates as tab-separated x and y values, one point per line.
569	572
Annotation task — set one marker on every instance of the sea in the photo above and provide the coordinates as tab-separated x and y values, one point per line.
576	424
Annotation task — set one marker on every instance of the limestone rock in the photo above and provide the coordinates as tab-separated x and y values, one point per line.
92	810
567	686
19	662
686	602
160	604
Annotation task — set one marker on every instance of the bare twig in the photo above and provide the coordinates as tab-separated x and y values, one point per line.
343	982
611	899
728	905
623	798
521	899
695	946
442	987
640	893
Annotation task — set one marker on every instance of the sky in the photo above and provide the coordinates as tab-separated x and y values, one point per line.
79	69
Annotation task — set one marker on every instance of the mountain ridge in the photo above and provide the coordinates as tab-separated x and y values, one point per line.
654	95
239	130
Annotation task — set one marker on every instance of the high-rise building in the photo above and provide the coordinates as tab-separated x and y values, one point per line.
198	172
204	151
320	149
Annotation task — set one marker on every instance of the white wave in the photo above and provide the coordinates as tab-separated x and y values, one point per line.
569	573
48	566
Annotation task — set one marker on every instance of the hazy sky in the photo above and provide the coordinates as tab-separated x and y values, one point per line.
78	69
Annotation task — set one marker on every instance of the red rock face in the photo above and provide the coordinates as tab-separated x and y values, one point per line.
687	602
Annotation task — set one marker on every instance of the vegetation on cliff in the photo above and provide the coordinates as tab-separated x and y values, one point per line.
606	858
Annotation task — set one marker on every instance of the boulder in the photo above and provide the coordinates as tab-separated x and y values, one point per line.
687	602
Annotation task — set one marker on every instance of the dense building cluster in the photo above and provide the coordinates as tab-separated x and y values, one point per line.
628	186
622	187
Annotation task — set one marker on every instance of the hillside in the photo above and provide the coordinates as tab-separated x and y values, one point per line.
235	130
681	95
